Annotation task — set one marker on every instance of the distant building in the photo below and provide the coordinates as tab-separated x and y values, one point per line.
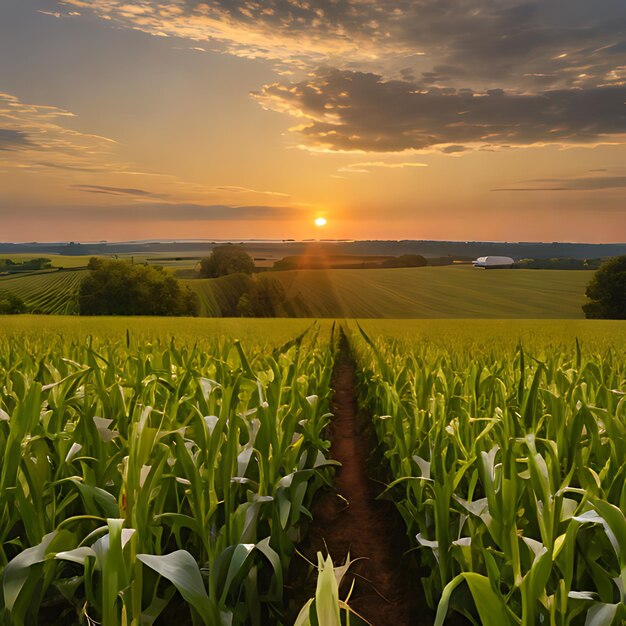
493	262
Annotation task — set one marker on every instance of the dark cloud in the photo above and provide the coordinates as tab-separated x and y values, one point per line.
492	72
35	136
345	110
454	149
596	183
11	139
114	191
558	42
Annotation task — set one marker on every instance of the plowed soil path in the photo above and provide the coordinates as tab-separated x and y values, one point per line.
351	520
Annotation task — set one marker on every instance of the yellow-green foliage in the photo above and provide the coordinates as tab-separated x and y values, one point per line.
171	457
506	444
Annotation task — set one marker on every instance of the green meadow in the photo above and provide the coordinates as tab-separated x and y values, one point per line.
425	292
448	292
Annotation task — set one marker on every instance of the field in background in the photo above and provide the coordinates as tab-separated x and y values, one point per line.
52	292
431	292
189	330
471	337
425	292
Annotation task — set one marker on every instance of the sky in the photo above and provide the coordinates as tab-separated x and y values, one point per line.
391	119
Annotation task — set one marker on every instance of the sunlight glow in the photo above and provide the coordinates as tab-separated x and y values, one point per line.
320	221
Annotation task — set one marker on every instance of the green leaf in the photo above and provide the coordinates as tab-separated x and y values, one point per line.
181	569
601	614
490	606
17	571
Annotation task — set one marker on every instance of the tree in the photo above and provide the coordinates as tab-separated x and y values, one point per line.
607	291
11	304
265	298
120	288
406	260
226	260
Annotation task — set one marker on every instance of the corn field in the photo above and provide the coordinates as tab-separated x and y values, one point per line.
149	480
141	477
508	466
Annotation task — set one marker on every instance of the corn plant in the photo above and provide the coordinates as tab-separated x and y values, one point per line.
147	473
509	471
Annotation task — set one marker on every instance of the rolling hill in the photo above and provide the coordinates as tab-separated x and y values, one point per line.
52	292
438	292
425	292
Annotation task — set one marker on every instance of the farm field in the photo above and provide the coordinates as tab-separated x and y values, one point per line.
143	464
447	292
506	461
52	292
162	469
219	296
426	292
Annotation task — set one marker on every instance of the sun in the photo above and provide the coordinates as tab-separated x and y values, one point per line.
320	221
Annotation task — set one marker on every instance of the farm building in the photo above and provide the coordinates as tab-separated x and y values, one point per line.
493	262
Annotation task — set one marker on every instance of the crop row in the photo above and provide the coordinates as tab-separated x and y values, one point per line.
509	472
148	479
53	293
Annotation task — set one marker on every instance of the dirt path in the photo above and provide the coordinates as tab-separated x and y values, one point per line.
350	519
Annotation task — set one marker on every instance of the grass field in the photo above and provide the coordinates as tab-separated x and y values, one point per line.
219	296
431	292
427	292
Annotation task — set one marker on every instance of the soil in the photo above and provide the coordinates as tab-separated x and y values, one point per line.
349	519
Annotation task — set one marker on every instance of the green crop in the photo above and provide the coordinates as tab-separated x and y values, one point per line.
139	474
508	466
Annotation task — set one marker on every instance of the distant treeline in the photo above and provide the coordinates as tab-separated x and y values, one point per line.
558	264
310	262
8	265
426	248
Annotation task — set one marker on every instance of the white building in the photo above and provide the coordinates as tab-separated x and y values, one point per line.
493	262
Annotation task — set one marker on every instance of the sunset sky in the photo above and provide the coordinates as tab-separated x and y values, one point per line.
391	119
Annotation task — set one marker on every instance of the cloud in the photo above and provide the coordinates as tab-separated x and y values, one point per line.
39	137
342	110
449	75
236	189
454	149
560	42
114	191
11	139
589	183
50	13
368	166
158	212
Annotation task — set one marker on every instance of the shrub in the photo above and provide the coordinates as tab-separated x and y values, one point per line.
11	304
265	298
226	260
607	291
121	288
